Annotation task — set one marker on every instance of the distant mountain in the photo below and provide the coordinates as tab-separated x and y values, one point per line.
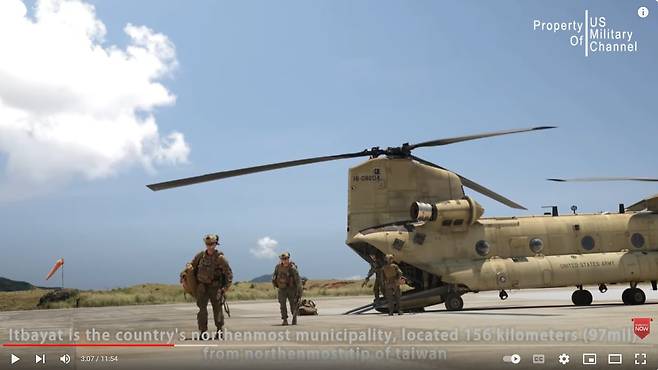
8	285
262	279
268	278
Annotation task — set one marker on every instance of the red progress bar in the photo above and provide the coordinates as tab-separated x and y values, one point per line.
88	345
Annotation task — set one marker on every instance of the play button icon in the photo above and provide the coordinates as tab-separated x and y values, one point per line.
14	359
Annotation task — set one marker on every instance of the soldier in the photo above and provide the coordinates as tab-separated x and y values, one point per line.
286	279
214	277
392	279
376	269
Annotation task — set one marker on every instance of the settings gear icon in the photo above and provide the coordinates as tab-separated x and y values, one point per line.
563	359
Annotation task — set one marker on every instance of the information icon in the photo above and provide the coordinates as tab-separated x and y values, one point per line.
643	12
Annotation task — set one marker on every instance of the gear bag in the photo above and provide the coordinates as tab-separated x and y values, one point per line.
188	280
307	308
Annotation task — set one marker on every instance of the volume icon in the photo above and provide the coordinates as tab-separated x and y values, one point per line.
65	359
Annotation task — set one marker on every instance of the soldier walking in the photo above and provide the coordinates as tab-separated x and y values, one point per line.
286	279
376	269
214	277
392	279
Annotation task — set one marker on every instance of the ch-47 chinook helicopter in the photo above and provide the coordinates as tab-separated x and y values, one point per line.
416	210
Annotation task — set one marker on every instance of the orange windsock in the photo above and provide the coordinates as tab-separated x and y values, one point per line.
58	264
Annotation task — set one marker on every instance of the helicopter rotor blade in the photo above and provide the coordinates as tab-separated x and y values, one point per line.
248	170
458	139
593	179
475	186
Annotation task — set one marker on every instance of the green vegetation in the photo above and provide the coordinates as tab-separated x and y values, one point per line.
59	298
20	300
163	293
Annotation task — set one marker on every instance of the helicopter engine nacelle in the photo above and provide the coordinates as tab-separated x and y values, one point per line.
458	213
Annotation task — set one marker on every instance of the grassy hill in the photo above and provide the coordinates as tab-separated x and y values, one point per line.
262	279
164	293
8	285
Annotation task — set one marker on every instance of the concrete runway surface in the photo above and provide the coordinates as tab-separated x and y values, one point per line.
529	323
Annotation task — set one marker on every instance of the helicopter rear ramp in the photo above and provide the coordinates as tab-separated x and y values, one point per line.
409	301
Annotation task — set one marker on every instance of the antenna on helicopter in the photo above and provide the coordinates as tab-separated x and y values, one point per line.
553	212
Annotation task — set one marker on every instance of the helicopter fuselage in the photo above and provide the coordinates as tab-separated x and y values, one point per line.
420	215
529	252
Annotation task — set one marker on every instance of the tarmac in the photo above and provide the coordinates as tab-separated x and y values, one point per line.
488	333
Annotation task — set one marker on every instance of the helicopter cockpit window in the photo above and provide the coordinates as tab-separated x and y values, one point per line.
458	222
637	240
446	222
482	248
587	242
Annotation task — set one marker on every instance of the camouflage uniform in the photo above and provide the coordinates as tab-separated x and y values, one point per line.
392	275
287	280
213	273
377	286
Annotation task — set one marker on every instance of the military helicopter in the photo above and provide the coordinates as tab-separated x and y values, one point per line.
403	205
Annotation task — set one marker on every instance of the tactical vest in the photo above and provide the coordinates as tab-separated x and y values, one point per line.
284	276
210	269
390	273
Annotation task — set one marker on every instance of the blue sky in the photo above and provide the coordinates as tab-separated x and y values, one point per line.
265	81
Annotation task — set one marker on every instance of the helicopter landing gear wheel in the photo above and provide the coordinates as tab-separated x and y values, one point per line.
503	295
581	297
633	296
454	302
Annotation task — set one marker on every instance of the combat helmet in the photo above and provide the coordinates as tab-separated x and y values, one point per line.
211	239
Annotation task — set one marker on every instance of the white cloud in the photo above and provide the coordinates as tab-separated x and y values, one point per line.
266	248
72	106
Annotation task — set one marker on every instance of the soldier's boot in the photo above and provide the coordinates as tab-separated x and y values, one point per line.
203	335
285	322
294	320
400	313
